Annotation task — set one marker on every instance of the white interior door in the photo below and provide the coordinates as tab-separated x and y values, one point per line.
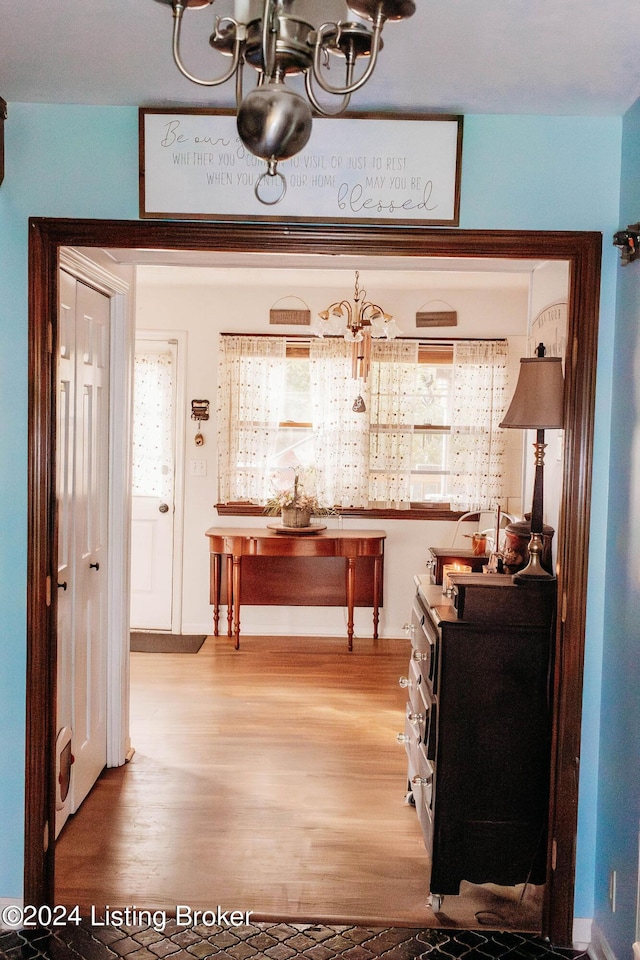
153	493
83	495
66	587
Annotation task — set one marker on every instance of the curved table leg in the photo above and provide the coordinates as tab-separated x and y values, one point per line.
217	569
230	597
351	590
237	565
377	570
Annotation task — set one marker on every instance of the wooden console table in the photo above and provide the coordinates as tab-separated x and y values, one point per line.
266	567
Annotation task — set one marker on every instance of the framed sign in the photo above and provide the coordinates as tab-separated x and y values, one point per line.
360	167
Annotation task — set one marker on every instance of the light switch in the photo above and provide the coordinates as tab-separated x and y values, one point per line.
198	468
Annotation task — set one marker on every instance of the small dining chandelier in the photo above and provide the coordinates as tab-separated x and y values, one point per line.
274	122
358	322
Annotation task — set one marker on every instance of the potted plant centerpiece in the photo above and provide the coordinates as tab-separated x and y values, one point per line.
295	503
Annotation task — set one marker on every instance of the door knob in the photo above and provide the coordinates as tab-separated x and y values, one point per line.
63	585
94	566
164	508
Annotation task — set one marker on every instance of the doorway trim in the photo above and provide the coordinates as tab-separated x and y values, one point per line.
582	250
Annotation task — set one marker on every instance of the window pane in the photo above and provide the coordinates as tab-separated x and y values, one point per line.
427	488
296	406
429	450
432	402
294	446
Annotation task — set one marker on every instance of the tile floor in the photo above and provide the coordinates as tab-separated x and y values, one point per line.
276	941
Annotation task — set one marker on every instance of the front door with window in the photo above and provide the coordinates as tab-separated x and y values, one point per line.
152	523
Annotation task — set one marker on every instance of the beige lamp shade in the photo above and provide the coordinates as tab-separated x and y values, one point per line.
538	401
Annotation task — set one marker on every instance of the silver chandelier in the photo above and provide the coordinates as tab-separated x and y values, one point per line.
274	122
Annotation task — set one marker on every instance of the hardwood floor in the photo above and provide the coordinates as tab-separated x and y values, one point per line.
268	780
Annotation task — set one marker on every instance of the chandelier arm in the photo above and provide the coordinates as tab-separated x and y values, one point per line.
373	59
269	40
235	60
239	79
314	101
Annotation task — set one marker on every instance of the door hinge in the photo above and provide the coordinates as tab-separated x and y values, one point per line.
554	853
47	591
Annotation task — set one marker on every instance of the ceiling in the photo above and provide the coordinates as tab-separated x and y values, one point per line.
231	268
462	56
495	56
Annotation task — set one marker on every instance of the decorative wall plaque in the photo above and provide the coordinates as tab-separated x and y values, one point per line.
360	167
437	318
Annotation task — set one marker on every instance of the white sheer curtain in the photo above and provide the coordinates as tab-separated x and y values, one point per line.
153	425
251	378
477	447
341	437
363	459
391	405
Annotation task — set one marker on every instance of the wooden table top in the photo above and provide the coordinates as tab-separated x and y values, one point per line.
243	541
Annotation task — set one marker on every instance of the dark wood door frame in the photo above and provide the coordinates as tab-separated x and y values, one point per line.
582	250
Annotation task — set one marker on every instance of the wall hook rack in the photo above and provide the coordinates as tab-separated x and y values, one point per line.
199	412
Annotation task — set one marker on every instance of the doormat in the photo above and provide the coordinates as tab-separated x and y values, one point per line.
164	642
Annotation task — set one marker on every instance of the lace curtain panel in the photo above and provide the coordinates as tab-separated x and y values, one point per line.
363	459
341	437
392	387
251	378
153	418
477	444
360	460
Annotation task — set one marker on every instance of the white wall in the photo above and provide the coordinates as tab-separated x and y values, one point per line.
205	301
549	285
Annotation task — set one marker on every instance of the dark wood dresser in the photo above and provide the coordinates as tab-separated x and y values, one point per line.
478	726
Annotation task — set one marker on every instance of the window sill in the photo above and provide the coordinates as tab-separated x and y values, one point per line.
436	512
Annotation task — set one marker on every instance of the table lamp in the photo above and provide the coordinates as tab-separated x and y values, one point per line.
537	404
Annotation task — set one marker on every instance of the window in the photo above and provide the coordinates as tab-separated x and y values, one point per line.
429	434
431	424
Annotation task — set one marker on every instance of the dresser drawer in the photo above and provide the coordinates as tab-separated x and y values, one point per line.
422	787
424	637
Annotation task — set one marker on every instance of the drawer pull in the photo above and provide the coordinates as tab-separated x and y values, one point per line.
418	655
418	781
404	682
415	717
402	738
408	628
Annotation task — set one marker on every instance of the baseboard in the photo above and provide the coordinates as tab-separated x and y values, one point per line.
582	932
599	949
192	629
7	915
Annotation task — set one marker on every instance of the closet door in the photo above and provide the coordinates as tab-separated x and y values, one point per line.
83	499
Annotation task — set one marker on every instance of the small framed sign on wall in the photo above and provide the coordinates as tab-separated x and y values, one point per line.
360	167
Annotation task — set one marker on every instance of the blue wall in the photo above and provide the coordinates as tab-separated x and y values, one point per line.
619	800
547	173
